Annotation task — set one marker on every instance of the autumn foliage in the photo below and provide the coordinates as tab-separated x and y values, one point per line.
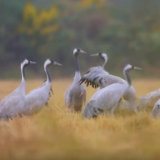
127	30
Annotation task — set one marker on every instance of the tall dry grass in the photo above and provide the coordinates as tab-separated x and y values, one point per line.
56	133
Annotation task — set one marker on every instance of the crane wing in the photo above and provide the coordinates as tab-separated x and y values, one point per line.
98	77
91	76
68	97
11	105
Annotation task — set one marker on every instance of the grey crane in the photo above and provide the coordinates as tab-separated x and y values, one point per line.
156	109
75	95
37	98
108	98
148	100
13	104
98	77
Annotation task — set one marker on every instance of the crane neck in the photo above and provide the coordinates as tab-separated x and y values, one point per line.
23	71
76	64
22	85
128	79
47	73
104	64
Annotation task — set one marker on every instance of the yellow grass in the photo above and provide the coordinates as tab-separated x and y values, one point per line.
56	133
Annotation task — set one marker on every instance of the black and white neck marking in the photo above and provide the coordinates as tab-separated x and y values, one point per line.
126	71
104	57
24	64
76	52
46	64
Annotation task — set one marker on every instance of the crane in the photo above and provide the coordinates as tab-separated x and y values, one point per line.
13	104
37	98
98	77
108	98
75	95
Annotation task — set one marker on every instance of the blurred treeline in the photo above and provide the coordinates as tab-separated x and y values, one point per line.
128	30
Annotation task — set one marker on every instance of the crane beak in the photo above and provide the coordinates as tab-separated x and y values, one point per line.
138	68
58	64
31	62
94	54
81	51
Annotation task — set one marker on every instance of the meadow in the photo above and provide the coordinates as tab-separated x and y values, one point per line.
56	133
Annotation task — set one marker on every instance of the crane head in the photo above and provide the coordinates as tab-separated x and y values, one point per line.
27	62
104	56
130	67
76	51
50	61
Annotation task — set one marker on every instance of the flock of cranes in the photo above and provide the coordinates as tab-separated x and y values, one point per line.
17	103
107	98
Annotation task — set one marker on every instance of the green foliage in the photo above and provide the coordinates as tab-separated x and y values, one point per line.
128	30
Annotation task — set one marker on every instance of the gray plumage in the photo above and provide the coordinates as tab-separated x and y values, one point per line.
98	77
156	109
36	99
108	98
149	99
75	95
13	104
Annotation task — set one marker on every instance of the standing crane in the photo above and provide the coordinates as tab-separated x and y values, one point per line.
75	95
108	98
39	97
98	77
13	104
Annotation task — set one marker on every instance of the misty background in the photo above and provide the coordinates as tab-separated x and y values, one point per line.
127	30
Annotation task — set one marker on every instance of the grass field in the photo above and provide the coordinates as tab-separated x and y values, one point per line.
56	133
